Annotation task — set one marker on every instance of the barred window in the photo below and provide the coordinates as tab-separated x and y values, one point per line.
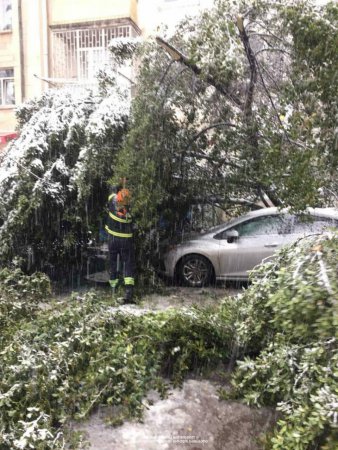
7	96
79	53
5	15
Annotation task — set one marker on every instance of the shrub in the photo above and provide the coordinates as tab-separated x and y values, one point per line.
82	353
289	319
20	295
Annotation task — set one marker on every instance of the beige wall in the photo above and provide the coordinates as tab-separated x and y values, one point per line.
39	15
153	14
6	48
75	11
34	47
7	120
10	58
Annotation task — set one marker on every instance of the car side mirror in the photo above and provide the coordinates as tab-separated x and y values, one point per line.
231	236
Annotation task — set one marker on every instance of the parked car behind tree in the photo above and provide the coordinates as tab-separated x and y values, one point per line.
231	250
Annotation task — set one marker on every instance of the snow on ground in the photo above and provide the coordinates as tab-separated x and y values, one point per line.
191	418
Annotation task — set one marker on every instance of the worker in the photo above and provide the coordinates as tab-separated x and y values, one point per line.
120	231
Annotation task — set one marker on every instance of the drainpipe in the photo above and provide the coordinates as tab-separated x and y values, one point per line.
44	32
22	56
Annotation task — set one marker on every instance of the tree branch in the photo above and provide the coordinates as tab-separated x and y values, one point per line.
253	68
218	200
220	162
272	49
204	130
178	56
165	72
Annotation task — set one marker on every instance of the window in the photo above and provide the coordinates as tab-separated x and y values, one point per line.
5	15
90	59
261	226
79	53
305	224
7	87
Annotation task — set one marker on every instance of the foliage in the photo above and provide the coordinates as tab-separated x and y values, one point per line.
290	323
231	124
82	353
53	178
19	298
246	115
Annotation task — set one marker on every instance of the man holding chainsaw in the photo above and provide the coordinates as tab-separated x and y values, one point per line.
120	231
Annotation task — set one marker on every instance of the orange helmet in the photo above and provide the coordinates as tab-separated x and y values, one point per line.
123	197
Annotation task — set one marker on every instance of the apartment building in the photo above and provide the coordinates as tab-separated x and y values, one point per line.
47	43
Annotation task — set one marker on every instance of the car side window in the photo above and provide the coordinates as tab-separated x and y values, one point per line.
260	226
305	224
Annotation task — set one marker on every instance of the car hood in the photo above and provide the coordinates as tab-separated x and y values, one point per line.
198	239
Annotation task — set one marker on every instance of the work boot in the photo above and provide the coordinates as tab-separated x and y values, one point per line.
128	296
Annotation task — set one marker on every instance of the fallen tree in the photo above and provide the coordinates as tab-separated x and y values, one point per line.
236	109
281	334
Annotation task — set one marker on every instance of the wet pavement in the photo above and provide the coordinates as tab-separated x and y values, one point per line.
190	418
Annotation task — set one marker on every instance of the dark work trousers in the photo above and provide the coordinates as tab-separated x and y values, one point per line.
124	247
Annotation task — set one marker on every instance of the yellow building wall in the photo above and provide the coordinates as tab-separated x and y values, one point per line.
77	11
10	58
7	120
36	18
35	47
6	48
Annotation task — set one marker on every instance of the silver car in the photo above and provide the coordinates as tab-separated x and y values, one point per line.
231	250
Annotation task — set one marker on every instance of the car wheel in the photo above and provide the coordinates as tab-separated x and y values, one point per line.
195	271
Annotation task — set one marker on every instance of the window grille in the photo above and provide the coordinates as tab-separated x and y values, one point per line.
79	53
7	87
5	15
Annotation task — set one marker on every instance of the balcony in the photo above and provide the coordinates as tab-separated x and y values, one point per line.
85	11
78	52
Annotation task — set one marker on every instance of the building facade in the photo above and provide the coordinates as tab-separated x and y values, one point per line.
46	43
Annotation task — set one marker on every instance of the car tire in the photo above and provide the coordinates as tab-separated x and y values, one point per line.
194	271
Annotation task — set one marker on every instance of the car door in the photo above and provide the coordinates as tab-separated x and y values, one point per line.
258	239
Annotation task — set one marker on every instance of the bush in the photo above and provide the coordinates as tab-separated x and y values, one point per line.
82	353
289	318
20	295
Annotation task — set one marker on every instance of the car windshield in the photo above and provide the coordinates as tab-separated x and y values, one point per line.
220	227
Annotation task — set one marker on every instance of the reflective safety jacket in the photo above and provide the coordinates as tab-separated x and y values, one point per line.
119	221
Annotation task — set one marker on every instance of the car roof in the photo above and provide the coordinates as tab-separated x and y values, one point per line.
329	212
325	212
